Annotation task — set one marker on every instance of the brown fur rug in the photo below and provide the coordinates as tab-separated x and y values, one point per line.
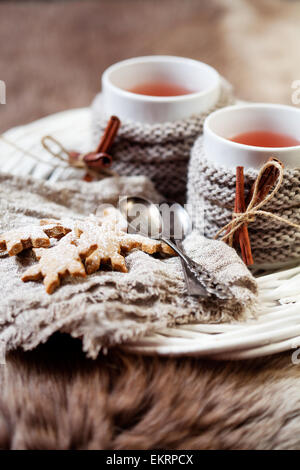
53	398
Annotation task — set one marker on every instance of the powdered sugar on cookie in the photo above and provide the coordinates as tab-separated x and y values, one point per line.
83	247
35	236
56	262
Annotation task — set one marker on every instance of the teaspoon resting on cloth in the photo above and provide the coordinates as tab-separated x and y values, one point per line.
144	218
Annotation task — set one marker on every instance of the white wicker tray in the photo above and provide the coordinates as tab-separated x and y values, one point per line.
276	326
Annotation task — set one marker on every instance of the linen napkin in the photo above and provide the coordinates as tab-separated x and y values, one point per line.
106	308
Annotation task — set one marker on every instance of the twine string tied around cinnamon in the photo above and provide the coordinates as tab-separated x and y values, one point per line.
254	208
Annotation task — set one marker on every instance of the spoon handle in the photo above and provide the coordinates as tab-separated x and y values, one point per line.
193	286
199	274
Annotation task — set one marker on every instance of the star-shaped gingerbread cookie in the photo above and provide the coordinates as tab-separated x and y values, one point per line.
104	241
56	262
30	236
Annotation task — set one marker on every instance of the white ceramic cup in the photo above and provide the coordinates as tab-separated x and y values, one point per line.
189	73
233	120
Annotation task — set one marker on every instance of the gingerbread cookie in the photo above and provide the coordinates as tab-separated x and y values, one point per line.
113	218
55	228
106	243
56	262
92	242
19	239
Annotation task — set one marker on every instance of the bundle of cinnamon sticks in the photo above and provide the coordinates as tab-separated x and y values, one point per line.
266	182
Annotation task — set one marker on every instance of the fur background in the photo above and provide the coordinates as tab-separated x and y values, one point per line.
53	398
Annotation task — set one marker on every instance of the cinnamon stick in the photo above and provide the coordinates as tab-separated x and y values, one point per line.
100	158
267	181
240	207
109	135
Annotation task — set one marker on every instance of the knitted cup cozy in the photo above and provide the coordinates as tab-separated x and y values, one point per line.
160	151
212	187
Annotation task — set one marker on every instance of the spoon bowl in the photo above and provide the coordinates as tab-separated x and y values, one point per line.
143	216
177	223
169	223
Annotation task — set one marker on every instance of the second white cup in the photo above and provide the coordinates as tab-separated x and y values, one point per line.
224	124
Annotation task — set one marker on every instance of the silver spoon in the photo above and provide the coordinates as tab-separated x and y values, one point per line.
177	225
144	218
